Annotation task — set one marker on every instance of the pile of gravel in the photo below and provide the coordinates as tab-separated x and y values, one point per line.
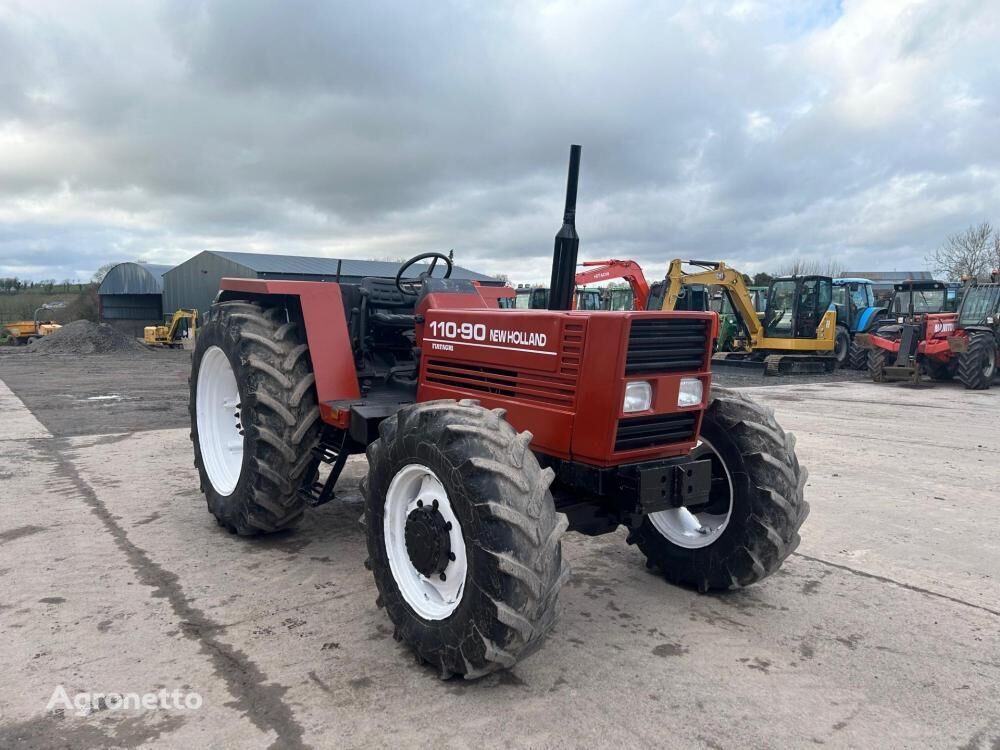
85	337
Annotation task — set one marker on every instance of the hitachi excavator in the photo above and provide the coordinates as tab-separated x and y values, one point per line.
537	298
795	334
606	270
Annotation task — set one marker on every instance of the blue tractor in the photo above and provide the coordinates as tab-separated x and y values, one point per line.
857	312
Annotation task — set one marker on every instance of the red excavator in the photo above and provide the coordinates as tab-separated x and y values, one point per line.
606	270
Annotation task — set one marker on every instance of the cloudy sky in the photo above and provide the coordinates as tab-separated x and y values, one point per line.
756	132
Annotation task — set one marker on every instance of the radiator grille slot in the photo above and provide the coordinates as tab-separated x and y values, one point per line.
666	345
661	429
502	382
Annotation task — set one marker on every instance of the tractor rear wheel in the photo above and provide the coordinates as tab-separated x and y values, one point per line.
876	364
841	346
977	365
254	416
755	510
857	357
463	536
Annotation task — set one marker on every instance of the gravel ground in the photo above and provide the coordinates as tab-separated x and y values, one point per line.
98	394
741	377
881	631
86	337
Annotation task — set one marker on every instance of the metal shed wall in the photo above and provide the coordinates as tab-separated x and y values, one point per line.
131	296
195	282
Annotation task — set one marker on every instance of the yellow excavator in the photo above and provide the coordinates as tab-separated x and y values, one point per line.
183	325
794	334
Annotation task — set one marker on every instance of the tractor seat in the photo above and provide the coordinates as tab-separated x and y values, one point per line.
386	305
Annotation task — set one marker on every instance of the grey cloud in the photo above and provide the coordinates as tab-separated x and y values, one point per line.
379	129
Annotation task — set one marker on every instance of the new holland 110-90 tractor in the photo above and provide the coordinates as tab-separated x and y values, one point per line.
488	433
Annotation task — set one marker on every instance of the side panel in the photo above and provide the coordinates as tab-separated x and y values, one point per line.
326	331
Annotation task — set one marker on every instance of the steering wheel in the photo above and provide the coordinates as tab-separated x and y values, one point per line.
407	287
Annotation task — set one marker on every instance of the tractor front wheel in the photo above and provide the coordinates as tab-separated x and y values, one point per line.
463	536
857	357
876	364
751	522
977	365
254	416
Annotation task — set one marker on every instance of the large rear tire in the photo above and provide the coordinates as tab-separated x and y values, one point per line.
756	509
463	536
876	364
254	416
977	365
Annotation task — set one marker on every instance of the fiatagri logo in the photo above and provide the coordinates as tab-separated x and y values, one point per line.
84	704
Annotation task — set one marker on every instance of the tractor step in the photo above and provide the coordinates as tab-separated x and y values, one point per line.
331	450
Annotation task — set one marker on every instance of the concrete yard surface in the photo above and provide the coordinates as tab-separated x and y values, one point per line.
882	631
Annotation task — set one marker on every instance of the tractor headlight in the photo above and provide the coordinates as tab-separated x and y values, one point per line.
638	396
690	392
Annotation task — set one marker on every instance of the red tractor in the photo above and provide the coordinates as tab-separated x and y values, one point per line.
914	341
489	431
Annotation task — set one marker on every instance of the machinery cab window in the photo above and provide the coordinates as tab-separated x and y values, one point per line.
795	306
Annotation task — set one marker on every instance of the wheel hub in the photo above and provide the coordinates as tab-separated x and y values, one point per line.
427	540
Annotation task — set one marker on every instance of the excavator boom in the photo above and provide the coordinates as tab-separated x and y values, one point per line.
806	344
605	270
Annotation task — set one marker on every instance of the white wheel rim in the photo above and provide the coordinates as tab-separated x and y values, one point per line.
220	434
431	598
695	530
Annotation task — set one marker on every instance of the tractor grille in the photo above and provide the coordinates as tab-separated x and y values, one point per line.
558	389
666	345
552	390
661	429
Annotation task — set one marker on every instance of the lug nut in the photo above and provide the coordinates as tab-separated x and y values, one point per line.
444	577
420	503
448	526
451	556
435	505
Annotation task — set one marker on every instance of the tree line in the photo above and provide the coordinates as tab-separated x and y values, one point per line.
970	254
14	285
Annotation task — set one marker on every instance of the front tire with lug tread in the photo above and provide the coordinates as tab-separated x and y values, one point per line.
766	507
857	357
503	533
841	346
251	366
977	365
876	364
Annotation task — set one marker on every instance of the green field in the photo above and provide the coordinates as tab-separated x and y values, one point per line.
22	306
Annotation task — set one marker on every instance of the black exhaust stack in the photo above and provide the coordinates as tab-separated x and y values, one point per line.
563	283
